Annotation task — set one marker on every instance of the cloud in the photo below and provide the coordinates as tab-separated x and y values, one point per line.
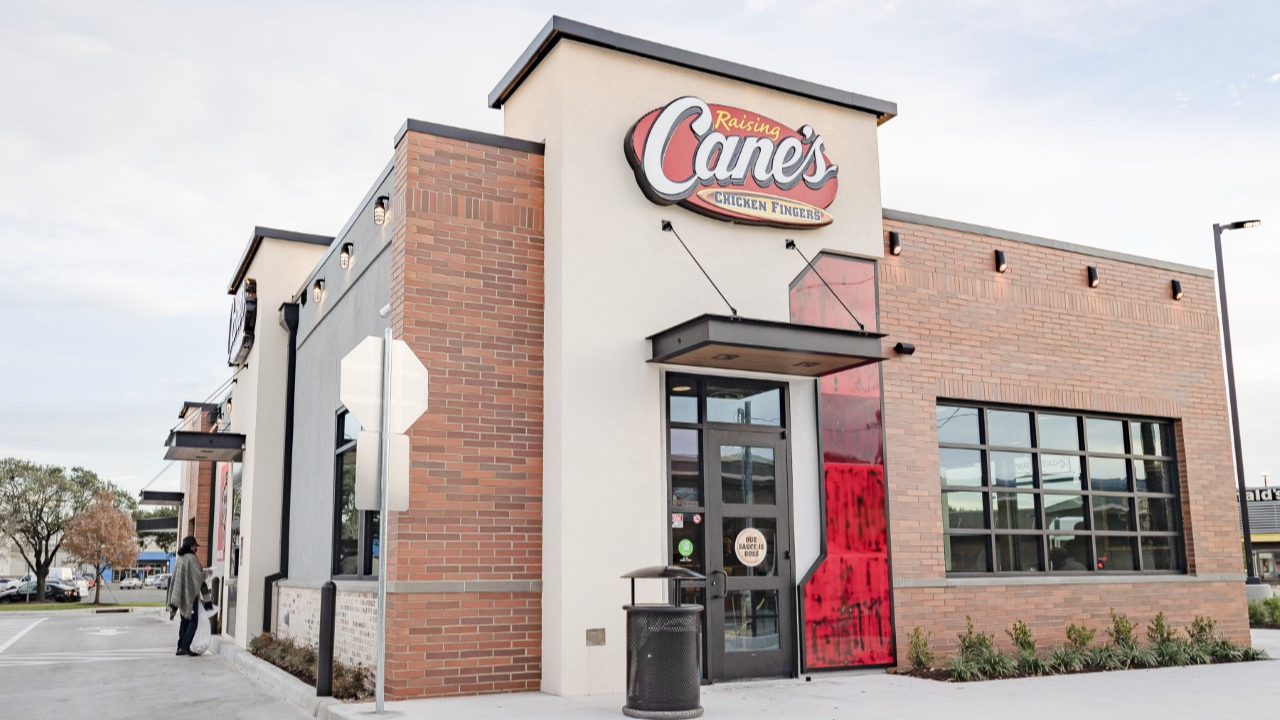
1274	79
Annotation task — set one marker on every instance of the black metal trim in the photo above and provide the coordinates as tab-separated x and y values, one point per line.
466	135
213	501
255	242
559	28
288	318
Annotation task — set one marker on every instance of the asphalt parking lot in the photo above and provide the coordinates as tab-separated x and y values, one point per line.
120	667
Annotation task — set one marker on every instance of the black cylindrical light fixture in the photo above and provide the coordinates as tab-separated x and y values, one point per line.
1177	289
380	209
345	257
1001	263
1094	280
317	290
895	243
903	348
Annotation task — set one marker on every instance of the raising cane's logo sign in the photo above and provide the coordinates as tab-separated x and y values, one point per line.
732	164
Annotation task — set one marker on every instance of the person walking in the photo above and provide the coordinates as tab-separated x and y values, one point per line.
185	590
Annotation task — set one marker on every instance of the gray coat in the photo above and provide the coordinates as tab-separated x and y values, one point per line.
184	586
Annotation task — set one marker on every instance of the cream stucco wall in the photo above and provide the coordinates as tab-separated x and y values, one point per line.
257	411
612	279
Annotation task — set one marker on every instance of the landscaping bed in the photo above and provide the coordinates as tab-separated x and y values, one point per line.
349	682
1265	614
979	658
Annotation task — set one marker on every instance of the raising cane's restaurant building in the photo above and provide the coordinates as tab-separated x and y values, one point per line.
667	321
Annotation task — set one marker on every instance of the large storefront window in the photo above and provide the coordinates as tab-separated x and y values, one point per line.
355	532
1046	491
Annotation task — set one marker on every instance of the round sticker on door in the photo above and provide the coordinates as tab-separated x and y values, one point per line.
685	548
750	547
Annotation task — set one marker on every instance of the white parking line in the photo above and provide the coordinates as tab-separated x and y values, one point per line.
18	637
72	658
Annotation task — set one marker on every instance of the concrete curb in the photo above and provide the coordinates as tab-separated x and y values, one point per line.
289	687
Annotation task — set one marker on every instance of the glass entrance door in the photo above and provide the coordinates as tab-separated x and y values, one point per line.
749	574
731	520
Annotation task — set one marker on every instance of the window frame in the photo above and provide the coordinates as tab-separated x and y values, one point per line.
366	522
1085	491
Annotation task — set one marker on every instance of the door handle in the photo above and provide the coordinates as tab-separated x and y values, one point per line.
712	584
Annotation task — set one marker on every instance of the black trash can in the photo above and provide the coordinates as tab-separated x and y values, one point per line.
664	651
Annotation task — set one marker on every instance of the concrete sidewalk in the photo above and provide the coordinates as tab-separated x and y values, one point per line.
1199	693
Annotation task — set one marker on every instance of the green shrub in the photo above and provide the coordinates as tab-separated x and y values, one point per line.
1158	631
1121	631
1223	650
1251	654
1172	652
973	643
1067	659
1257	614
1133	656
919	654
1032	663
1199	653
994	664
1079	637
1264	613
1201	630
1020	634
1103	658
963	669
349	683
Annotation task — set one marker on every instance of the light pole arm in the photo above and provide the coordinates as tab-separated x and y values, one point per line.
1251	573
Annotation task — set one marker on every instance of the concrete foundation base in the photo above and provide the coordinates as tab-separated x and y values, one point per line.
1258	592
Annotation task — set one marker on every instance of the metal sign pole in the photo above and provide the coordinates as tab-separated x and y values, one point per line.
384	452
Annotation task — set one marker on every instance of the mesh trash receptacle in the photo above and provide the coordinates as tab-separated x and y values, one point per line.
664	652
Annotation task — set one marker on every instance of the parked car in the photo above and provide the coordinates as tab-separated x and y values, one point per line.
53	592
130	583
162	581
150	581
9	583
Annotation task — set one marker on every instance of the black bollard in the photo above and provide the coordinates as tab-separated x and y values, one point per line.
324	663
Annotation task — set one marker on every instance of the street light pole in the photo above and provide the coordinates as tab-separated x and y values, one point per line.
1251	573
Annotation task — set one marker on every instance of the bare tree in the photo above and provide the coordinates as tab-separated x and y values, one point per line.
36	504
103	536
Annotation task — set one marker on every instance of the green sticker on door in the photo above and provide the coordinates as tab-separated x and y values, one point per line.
685	547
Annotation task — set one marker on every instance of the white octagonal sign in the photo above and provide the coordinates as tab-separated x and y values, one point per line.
360	387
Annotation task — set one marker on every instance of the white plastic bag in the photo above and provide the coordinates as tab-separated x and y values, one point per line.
200	643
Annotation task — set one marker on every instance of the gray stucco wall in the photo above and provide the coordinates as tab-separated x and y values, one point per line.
327	331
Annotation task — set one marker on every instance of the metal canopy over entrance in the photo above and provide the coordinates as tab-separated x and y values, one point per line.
157	525
735	343
204	446
160	497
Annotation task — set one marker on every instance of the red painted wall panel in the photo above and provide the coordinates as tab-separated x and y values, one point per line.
846	601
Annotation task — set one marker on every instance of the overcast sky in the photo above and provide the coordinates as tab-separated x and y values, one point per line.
140	143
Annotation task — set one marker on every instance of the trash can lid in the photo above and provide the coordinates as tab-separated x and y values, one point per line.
665	571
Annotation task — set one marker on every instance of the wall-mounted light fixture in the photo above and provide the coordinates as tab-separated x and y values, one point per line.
1001	263
345	257
317	290
895	243
1177	289
380	209
904	348
1094	280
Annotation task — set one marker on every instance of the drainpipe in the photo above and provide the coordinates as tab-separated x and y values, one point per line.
288	319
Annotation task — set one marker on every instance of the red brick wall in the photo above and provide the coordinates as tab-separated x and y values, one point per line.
1039	336
467	296
196	496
